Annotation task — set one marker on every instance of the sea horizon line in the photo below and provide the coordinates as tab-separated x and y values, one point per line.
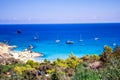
56	23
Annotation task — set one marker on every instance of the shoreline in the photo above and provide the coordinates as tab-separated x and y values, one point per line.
25	55
20	55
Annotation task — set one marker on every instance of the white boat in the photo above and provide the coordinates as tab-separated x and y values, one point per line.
114	44
70	42
96	38
81	38
36	37
57	41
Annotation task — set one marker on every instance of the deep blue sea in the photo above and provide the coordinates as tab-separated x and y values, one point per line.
42	36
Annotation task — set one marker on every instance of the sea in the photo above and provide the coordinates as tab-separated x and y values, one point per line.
60	40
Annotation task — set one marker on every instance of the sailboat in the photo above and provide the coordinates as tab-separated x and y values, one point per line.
57	40
36	37
114	44
80	39
96	38
69	42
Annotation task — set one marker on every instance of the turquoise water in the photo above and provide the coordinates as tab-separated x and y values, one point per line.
94	37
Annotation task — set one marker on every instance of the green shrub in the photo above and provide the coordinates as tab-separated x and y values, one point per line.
72	61
60	63
112	70
21	69
33	64
58	75
82	72
107	53
7	68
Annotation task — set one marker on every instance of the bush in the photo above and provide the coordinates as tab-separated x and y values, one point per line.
107	53
6	68
58	75
112	70
72	61
91	58
83	72
21	69
60	63
33	64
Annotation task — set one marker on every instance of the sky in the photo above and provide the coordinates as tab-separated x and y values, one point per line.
59	11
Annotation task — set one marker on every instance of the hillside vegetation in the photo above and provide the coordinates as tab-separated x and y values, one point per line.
90	67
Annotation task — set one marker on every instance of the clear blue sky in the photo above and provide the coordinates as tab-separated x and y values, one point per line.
59	11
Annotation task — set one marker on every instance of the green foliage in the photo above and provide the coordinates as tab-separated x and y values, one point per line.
46	66
73	68
33	64
107	49
107	53
96	57
30	75
21	69
112	70
116	52
46	61
91	58
82	72
6	68
19	64
72	61
54	76
58	75
50	71
60	62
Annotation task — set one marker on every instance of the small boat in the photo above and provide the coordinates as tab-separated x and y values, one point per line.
19	31
70	42
96	38
80	38
57	41
114	44
36	37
